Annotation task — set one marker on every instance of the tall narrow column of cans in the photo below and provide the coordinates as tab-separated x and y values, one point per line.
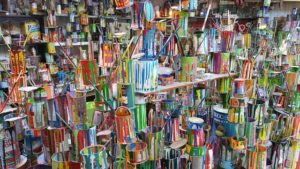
195	144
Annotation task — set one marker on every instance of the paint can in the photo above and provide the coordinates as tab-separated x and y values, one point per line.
251	157
239	87
195	132
82	138
291	78
126	71
37	116
296	128
53	119
220	63
126	95
137	153
223	85
140	117
250	132
264	133
257	110
54	140
261	156
106	58
146	75
155	142
292	160
101	105
236	115
220	120
249	87
33	144
168	105
63	160
17	61
124	126
77	109
197	162
149	41
121	4
171	159
89	71
172	132
61	106
188	69
94	157
137	21
11	150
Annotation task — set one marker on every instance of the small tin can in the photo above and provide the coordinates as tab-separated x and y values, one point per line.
76	26
82	36
72	17
58	9
93	28
74	37
69	27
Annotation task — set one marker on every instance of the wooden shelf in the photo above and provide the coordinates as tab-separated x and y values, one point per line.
175	85
67	15
73	44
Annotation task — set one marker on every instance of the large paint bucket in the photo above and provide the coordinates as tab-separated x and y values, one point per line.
54	141
11	150
220	120
188	69
77	109
82	138
94	157
146	75
171	159
124	126
63	160
136	153
33	144
154	137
